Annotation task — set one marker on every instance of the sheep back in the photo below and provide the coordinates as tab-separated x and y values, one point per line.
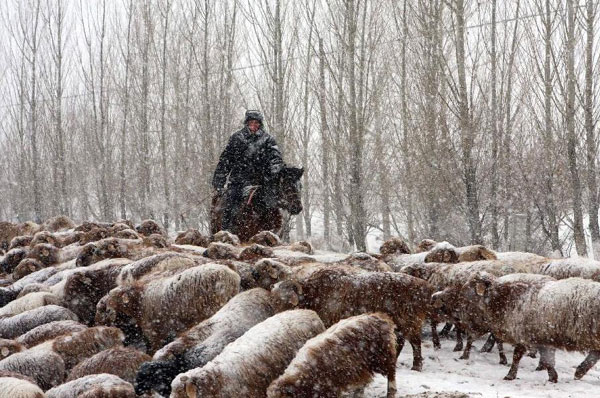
16	325
119	361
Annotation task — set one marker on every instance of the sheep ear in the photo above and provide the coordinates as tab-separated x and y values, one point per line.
480	288
5	351
294	300
273	272
190	389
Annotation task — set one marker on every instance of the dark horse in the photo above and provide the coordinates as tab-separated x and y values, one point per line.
254	216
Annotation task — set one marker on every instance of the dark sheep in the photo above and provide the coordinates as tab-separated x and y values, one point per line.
12	258
119	361
394	246
20	241
149	227
266	238
26	267
192	237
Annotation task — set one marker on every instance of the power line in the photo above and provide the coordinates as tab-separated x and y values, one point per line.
295	58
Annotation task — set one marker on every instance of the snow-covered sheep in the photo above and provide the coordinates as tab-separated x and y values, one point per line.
149	227
94	386
29	302
49	331
264	273
126	234
222	251
570	268
164	264
58	223
475	253
365	261
266	238
394	246
83	290
226	237
9	293
200	344
44	237
16	325
33	288
192	237
191	296
45	367
343	357
77	346
9	347
335	294
20	241
247	366
12	387
12	258
540	312
119	361
255	252
26	267
425	245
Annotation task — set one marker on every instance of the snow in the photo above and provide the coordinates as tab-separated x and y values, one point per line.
482	376
321	256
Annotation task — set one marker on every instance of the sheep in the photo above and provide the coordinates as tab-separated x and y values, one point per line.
87	226
221	251
155	240
266	238
93	385
134	336
77	346
442	252
192	296
570	267
20	241
13	387
119	361
366	262
46	253
425	245
33	288
45	367
192	237
247	366
164	264
200	344
44	237
264	273
343	357
336	294
49	331
301	246
116	248
9	347
126	234
394	246
538	311
26	267
83	289
12	258
149	227
93	235
29	302
16	325
475	253
58	223
226	237
9	293
255	252
9	230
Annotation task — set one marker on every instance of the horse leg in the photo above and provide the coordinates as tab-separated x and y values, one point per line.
459	339
489	344
587	364
434	335
446	330
517	355
547	360
467	350
501	354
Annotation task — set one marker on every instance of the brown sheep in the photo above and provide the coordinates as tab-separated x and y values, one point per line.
16	325
119	361
192	237
127	234
45	253
425	245
192	296
58	223
266	238
538	311
394	246
44	237
12	258
155	240
475	253
200	344
45	367
83	289
49	331
149	227
222	251
87	226
343	357
9	293
26	267
112	248
255	252
335	294
226	237
366	262
20	241
16	387
77	346
247	366
94	235
264	273
9	347
164	264
442	253
94	386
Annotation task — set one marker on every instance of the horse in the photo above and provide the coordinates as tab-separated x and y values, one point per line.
254	216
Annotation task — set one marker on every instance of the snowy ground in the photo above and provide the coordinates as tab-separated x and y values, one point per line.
445	376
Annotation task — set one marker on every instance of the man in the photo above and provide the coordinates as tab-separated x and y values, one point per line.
250	158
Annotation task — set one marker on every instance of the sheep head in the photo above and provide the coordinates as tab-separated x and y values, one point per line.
287	293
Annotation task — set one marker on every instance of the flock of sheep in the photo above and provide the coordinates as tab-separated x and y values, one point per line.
117	310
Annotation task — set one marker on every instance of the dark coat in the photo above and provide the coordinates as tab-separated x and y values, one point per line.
249	159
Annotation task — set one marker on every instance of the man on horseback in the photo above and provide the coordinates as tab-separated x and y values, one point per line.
251	158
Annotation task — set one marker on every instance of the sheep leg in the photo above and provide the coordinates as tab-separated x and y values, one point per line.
399	343
547	359
415	343
587	364
446	330
359	393
489	344
532	353
434	335
517	355
501	354
459	339
467	350
391	385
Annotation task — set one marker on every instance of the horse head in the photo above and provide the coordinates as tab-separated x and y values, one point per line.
290	187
